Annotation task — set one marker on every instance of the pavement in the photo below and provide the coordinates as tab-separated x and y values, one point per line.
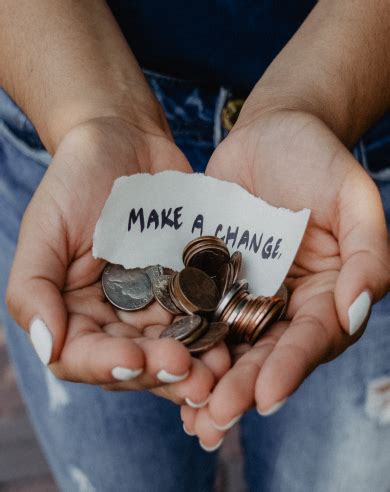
23	467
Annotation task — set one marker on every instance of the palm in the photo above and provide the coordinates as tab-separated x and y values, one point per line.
291	160
91	338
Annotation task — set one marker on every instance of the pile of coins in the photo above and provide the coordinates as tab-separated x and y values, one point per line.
207	290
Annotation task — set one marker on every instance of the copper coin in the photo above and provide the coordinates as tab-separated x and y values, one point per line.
284	293
209	261
183	328
129	290
215	334
236	261
162	295
223	278
198	289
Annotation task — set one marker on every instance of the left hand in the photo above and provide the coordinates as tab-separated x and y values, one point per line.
291	159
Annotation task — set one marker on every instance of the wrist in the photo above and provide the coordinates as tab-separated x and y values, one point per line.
145	115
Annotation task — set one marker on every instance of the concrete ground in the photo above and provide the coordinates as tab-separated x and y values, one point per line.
23	467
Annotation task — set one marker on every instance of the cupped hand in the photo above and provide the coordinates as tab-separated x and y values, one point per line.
291	159
54	290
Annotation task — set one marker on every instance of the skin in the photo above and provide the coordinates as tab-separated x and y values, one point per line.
289	146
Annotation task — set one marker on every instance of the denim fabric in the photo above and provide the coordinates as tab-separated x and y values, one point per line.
329	436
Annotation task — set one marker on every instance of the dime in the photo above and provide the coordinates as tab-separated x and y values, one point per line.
196	334
162	295
196	291
215	334
127	289
183	328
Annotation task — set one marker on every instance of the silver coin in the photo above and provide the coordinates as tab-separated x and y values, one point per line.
127	289
183	328
162	295
153	272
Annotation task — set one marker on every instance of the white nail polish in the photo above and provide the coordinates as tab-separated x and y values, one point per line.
273	409
229	425
124	374
201	404
41	339
188	432
358	311
167	377
212	448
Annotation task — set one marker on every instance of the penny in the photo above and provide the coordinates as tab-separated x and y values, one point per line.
236	262
284	293
162	295
209	261
215	334
129	290
183	328
222	278
197	290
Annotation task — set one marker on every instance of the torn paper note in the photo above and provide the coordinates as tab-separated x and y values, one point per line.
148	219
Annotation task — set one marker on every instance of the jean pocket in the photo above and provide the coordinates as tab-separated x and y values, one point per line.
26	143
373	150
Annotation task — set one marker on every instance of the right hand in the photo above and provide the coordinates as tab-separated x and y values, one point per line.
55	279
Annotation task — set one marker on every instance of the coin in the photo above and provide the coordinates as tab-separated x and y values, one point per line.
162	295
203	327
215	334
127	289
236	261
284	293
196	291
183	328
153	271
208	261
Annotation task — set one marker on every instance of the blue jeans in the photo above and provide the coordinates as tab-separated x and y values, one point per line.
330	435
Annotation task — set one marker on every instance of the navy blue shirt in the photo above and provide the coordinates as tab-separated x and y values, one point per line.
218	42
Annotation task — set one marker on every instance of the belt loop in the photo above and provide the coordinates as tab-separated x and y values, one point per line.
220	103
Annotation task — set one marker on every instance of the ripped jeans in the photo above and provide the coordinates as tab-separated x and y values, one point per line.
333	434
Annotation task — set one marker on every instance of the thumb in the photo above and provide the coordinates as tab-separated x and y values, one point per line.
364	248
34	296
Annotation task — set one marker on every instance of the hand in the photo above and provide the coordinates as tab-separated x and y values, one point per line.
291	159
54	287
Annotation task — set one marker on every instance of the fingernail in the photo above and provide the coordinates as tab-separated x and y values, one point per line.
201	404
273	409
212	448
124	374
41	339
188	432
227	426
358	311
167	377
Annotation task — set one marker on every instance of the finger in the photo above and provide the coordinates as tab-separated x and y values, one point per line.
314	336
188	416
217	360
194	391
152	315
38	273
92	356
210	439
235	392
364	248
